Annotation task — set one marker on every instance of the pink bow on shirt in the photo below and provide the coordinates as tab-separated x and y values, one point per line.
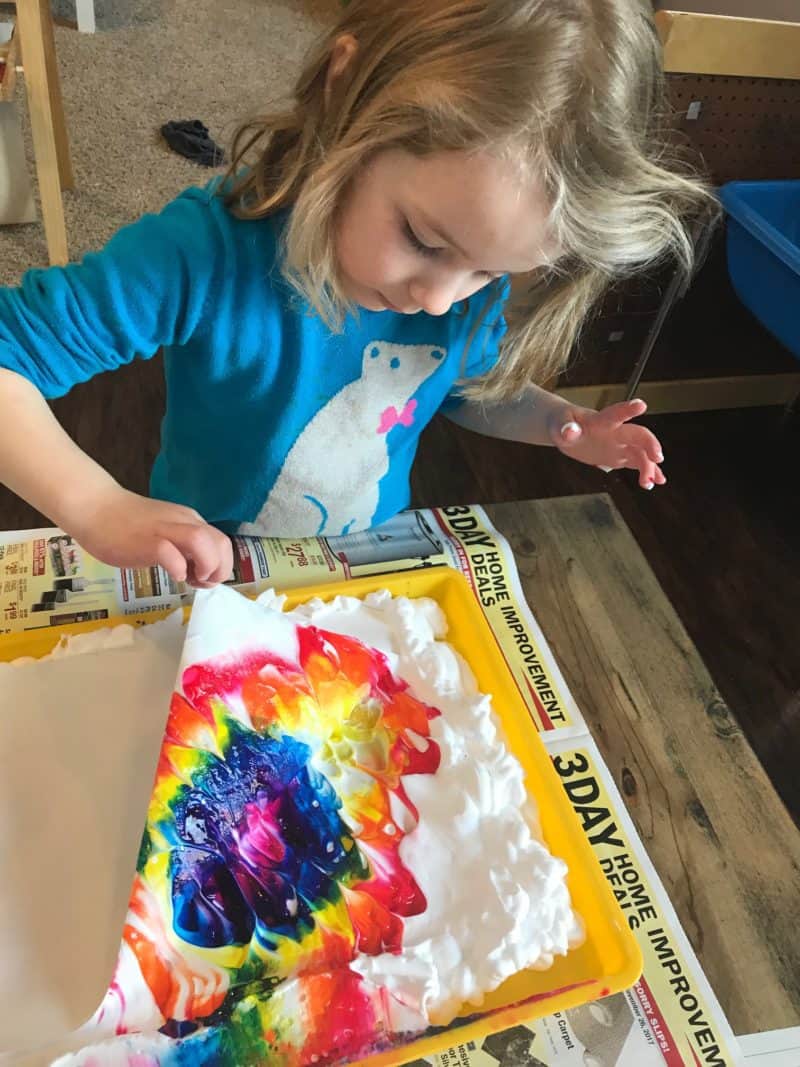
390	418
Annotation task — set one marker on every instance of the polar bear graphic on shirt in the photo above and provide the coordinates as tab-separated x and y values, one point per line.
329	481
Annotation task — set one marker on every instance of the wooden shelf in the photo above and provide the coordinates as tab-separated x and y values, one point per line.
722	45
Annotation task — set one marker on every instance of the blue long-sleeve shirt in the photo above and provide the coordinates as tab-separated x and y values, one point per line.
274	424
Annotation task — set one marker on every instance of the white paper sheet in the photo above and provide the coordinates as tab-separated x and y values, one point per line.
773	1048
79	743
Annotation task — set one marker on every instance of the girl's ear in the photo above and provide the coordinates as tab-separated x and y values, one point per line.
344	52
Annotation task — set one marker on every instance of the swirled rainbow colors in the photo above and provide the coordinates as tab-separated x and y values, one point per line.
271	854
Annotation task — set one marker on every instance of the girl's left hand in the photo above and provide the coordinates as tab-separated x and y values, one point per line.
606	439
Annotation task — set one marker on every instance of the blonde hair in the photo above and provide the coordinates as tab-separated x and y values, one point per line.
571	90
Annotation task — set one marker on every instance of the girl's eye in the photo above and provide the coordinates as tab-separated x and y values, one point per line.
419	246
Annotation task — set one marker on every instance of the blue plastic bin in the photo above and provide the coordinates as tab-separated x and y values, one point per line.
764	253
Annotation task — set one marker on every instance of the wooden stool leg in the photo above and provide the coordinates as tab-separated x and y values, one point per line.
56	101
32	22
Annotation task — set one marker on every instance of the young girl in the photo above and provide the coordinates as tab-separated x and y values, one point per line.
351	278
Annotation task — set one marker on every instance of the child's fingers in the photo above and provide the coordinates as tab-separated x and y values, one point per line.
187	551
616	415
224	569
201	546
641	439
651	444
195	584
211	557
649	473
170	557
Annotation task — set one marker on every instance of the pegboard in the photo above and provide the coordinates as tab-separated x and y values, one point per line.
748	129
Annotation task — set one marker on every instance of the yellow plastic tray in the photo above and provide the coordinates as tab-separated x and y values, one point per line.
609	959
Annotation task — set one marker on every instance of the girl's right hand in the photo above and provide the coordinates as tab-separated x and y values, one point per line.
127	530
41	463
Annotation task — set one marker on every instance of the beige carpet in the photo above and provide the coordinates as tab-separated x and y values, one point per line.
151	61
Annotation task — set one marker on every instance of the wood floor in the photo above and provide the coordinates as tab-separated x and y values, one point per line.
723	537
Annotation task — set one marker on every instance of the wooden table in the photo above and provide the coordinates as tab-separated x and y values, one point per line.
717	832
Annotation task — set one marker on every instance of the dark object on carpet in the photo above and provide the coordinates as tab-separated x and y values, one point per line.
190	138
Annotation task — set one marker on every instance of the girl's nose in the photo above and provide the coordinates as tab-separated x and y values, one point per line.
435	296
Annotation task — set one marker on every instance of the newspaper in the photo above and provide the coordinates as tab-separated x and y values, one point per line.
671	1016
47	580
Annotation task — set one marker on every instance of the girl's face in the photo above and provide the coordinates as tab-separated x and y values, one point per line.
421	233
